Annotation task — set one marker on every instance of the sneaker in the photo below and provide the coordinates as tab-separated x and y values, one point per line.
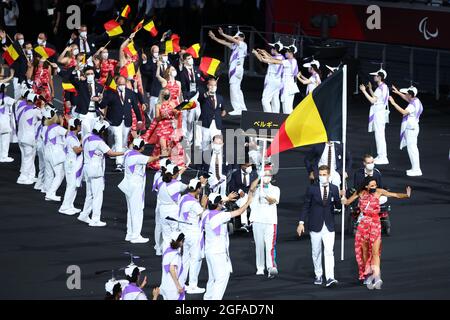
84	218
140	239
24	181
68	212
7	159
127	237
119	168
378	160
235	113
370	283
272	273
52	197
318	281
246	228
38	186
76	210
159	253
331	282
259	272
377	285
414	173
97	224
195	290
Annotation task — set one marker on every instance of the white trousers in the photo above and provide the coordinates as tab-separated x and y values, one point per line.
167	226
27	168
189	119
158	231
327	238
218	275
87	123
240	202
120	134
288	102
135	211
71	188
17	88
192	259
94	198
54	177
208	134
41	174
380	139
271	96
236	94
152	108
171	295
265	236
411	144
5	139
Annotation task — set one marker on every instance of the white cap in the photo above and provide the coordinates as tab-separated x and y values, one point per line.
130	268
170	168
332	69
138	142
72	121
193	183
239	34
213	197
379	71
48	112
278	43
308	65
101	125
109	286
175	235
412	88
164	162
31	96
292	48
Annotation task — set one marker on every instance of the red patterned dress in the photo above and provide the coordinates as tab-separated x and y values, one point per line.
369	230
175	89
41	84
107	67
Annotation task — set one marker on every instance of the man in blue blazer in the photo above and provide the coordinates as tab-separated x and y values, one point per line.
320	200
118	105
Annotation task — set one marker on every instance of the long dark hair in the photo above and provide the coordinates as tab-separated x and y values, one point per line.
365	182
317	70
176	244
167	176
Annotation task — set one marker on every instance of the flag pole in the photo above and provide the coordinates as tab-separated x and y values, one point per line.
344	150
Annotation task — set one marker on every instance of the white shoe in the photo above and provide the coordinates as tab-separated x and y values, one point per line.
7	159
68	212
377	285
38	186
381	161
24	181
273	272
84	218
235	113
159	253
140	239
195	290
127	237
76	210
51	197
97	224
260	272
414	173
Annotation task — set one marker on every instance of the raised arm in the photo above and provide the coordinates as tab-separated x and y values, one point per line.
267	58
242	209
222	42
397	92
350	200
62	59
227	37
395	194
371	99
396	106
122	59
158	75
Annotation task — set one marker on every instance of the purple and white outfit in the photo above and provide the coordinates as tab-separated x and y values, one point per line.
94	149
236	73
133	292
272	86
409	131
6	104
378	119
133	185
315	81
190	211
73	166
290	88
216	242
168	197
54	155
40	134
168	288
157	182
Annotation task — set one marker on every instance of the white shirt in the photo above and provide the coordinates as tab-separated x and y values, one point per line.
93	152
315	81
216	243
190	207
275	70
172	258
5	114
322	190
324	158
262	211
167	189
382	95
27	118
135	164
212	168
56	139
240	52
72	142
414	108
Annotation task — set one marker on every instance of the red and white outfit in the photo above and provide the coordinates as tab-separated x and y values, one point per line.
107	68
41	82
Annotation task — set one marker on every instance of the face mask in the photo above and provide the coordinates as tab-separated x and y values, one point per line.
104	56
121	87
173	74
213	89
323	180
40	42
370	166
203	185
165	59
166	96
266	180
83	34
372	190
216	147
248	169
90	78
29	52
75	52
189	62
21	42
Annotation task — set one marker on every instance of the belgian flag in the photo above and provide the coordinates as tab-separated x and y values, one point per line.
125	12
172	45
316	119
150	27
113	28
11	54
209	65
186	105
110	83
194	50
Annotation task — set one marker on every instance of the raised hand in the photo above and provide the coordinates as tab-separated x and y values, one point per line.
220	31
362	87
408	191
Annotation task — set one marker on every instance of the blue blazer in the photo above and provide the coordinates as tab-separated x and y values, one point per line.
117	112
209	113
236	182
316	211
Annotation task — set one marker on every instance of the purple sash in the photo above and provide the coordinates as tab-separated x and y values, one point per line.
50	127
186	198
131	288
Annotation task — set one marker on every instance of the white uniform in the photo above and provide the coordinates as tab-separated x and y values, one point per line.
236	73
73	167
94	149
191	116
315	81
191	211
133	292
265	219
133	185
214	223
168	197
290	88
27	116
409	132
6	104
272	86
378	120
157	182
168	289
40	132
54	155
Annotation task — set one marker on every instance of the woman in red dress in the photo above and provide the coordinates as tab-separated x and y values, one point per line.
107	66
41	75
68	60
368	234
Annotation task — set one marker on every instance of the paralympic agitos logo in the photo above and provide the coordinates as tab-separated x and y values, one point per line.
424	30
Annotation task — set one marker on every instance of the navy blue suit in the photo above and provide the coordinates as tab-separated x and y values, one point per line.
209	112
318	212
359	177
117	111
312	158
236	181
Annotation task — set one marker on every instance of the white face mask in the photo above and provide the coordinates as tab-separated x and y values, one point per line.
75	52
173	74
216	147
29	52
90	78
165	59
323	180
370	166
21	42
83	34
248	170
266	180
190	62
104	56
121	87
40	42
213	89
156	55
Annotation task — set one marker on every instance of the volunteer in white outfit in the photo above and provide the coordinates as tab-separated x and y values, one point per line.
6	104
191	211
215	225
54	155
217	178
94	149
264	219
236	67
378	115
314	80
172	281
133	185
73	167
41	127
133	291
27	115
272	82
409	130
157	182
168	197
